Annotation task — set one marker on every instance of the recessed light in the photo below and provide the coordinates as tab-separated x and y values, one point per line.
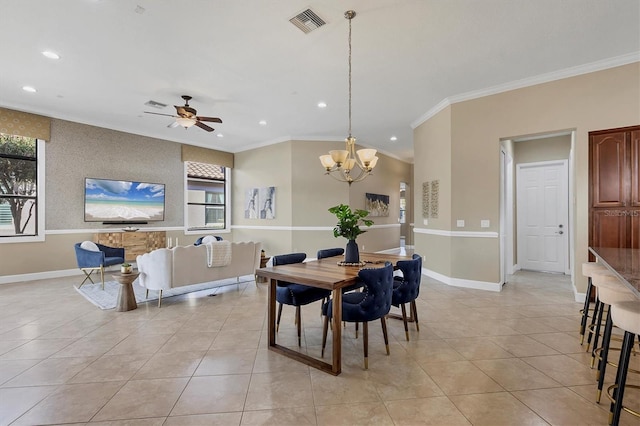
322	104
220	135
393	138
51	55
262	122
29	89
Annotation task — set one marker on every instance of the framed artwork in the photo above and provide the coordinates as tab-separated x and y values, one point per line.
268	202
376	204
435	193
426	198
251	203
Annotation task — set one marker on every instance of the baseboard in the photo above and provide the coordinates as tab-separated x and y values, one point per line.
7	279
460	282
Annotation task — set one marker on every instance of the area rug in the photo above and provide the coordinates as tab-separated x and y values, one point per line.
107	298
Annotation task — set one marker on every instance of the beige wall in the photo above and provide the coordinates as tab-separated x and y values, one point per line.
547	149
599	100
305	224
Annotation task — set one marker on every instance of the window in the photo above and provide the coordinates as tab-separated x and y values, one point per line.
21	197
207	189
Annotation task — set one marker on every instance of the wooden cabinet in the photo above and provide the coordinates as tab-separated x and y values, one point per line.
614	188
134	243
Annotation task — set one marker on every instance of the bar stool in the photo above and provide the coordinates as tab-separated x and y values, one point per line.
610	292
626	316
588	270
593	329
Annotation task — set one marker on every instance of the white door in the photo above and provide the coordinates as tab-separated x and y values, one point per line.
542	205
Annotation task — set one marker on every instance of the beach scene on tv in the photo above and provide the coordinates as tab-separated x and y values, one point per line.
116	200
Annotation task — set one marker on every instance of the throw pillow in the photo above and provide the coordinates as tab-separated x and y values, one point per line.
89	245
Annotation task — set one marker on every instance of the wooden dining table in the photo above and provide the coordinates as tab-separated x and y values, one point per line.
623	262
327	274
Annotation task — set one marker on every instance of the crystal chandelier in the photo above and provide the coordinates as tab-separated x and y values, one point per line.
344	165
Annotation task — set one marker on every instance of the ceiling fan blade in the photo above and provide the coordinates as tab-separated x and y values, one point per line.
204	126
172	125
157	113
212	119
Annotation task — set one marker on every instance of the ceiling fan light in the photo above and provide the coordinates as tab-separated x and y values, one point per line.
185	122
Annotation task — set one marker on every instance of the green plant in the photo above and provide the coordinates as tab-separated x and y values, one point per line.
349	221
126	265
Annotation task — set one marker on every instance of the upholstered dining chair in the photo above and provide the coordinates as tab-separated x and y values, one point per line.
330	252
406	289
373	303
295	294
93	257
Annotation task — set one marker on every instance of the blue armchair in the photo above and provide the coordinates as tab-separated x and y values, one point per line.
295	294
374	302
90	260
407	288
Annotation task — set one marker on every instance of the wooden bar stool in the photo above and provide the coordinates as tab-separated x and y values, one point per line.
610	292
588	270
626	316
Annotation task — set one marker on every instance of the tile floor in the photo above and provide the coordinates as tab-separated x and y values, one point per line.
480	358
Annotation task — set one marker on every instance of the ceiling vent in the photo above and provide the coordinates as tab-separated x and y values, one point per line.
307	21
155	104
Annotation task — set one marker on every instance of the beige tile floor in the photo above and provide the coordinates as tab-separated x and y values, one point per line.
480	358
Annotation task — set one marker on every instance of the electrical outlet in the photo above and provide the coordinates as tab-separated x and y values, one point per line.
485	223
460	223
426	221
363	247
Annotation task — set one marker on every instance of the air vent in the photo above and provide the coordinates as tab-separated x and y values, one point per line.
307	21
155	104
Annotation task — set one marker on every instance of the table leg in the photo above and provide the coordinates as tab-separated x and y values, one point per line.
337	331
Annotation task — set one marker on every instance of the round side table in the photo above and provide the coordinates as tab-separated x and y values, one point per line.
126	297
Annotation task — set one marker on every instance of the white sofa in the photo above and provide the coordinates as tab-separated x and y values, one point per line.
163	269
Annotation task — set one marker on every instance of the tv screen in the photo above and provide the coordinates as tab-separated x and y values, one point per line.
122	201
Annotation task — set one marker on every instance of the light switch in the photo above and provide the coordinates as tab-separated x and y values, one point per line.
426	221
460	223
484	223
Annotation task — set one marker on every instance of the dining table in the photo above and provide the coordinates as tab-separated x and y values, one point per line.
623	263
327	273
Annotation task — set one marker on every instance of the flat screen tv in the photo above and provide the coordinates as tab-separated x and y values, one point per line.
121	201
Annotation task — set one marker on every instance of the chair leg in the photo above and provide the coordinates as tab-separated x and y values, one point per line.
385	334
596	307
604	354
404	320
279	315
365	343
596	335
299	322
87	277
585	310
356	330
621	378
102	276
160	298
325	328
415	314
146	294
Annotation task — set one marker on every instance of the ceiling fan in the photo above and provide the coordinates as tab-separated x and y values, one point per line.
187	116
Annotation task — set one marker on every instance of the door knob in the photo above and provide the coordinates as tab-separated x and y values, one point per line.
560	226
560	232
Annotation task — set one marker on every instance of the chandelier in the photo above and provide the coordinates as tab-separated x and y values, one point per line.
344	165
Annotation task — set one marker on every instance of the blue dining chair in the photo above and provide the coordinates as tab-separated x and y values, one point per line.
406	289
337	251
295	294
373	303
